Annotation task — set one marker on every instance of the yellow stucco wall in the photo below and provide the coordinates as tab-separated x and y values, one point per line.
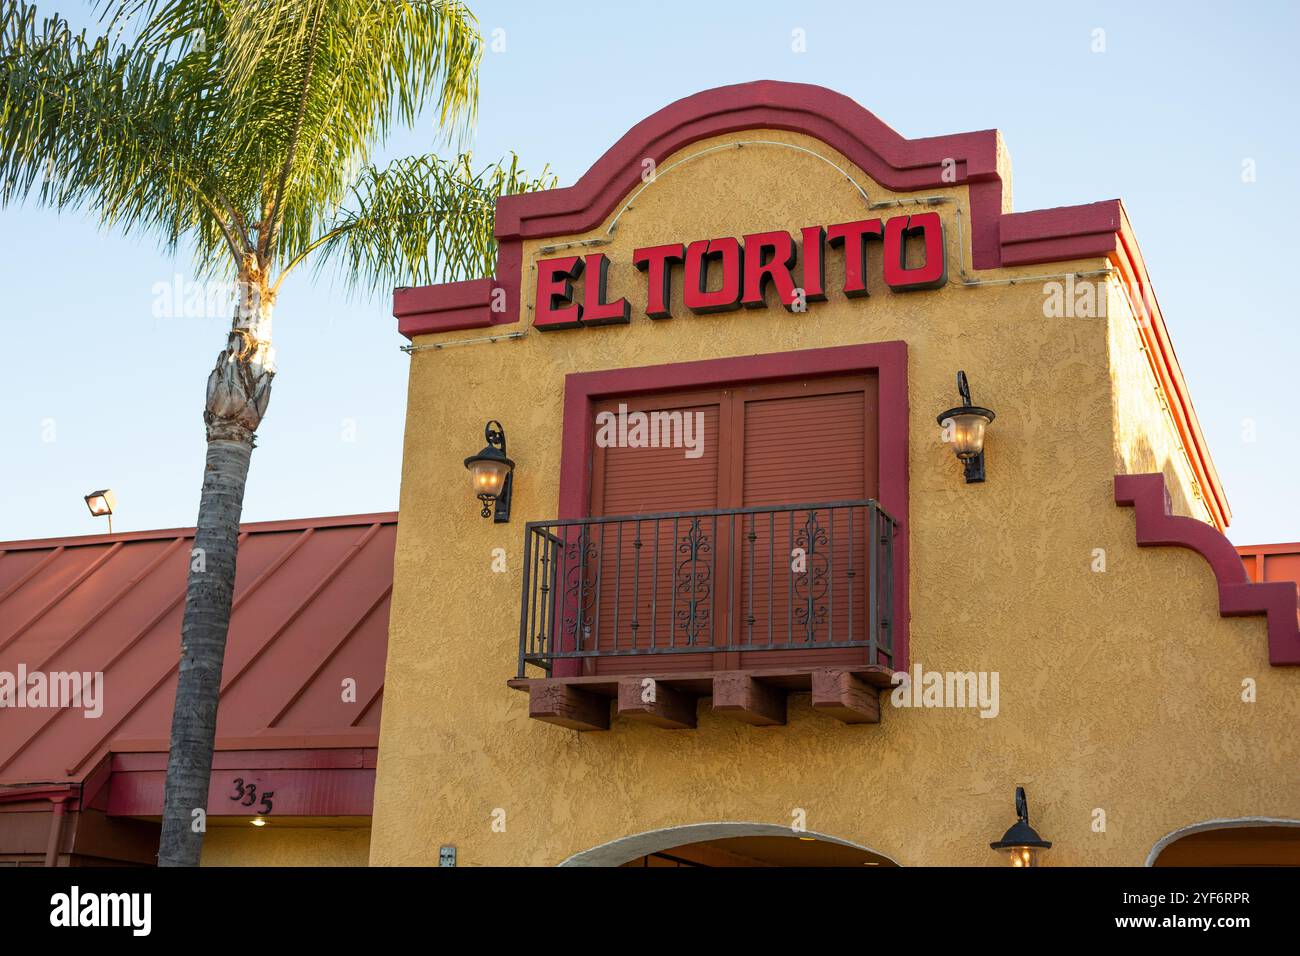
286	846
1145	437
1119	689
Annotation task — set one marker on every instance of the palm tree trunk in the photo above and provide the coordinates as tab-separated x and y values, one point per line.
239	389
203	649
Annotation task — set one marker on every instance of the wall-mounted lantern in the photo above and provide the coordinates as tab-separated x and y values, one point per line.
966	424
1021	843
101	504
492	474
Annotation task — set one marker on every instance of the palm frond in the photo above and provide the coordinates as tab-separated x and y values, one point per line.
421	219
313	85
244	123
89	123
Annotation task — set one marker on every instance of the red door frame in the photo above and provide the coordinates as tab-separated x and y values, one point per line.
887	360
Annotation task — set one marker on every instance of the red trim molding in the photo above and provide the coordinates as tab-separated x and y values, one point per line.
335	782
38	792
1055	235
898	163
452	305
1135	284
1157	527
888	360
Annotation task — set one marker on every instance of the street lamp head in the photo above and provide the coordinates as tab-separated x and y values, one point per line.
101	503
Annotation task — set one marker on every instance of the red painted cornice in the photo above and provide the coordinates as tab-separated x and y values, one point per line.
898	163
1135	285
886	156
1066	232
1157	527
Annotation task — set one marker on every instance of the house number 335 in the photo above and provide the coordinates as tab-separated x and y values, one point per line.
246	794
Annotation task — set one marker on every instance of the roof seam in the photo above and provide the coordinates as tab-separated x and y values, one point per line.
49	605
107	605
36	569
338	646
339	565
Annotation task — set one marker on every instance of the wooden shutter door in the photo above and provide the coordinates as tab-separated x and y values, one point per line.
806	442
677	582
642	600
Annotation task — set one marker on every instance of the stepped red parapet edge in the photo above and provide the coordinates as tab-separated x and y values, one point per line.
1158	527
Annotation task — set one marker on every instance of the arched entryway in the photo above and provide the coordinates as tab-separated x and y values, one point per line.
730	844
1248	841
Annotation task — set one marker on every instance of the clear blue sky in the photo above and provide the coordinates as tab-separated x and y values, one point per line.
98	392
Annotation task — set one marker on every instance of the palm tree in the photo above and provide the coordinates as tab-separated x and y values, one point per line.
243	128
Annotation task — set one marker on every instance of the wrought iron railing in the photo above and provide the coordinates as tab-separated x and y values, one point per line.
734	580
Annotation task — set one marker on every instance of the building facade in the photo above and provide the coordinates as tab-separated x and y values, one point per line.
843	501
726	365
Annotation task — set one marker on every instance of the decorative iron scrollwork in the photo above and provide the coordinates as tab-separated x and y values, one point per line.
582	568
810	587
693	581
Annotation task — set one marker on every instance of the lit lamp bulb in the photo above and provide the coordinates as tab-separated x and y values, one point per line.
101	504
968	434
488	477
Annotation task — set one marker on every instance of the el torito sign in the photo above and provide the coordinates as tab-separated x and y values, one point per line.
719	275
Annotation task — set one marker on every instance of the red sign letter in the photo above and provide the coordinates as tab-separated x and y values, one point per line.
813	251
554	288
777	269
698	255
596	310
658	261
935	271
853	237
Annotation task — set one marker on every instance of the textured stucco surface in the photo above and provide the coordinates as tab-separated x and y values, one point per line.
1145	437
286	846
1120	690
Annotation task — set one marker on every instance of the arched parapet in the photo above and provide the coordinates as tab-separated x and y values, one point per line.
975	160
897	163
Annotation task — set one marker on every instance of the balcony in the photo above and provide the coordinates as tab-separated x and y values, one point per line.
743	605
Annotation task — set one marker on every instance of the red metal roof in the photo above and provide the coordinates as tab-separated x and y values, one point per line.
1272	562
310	610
